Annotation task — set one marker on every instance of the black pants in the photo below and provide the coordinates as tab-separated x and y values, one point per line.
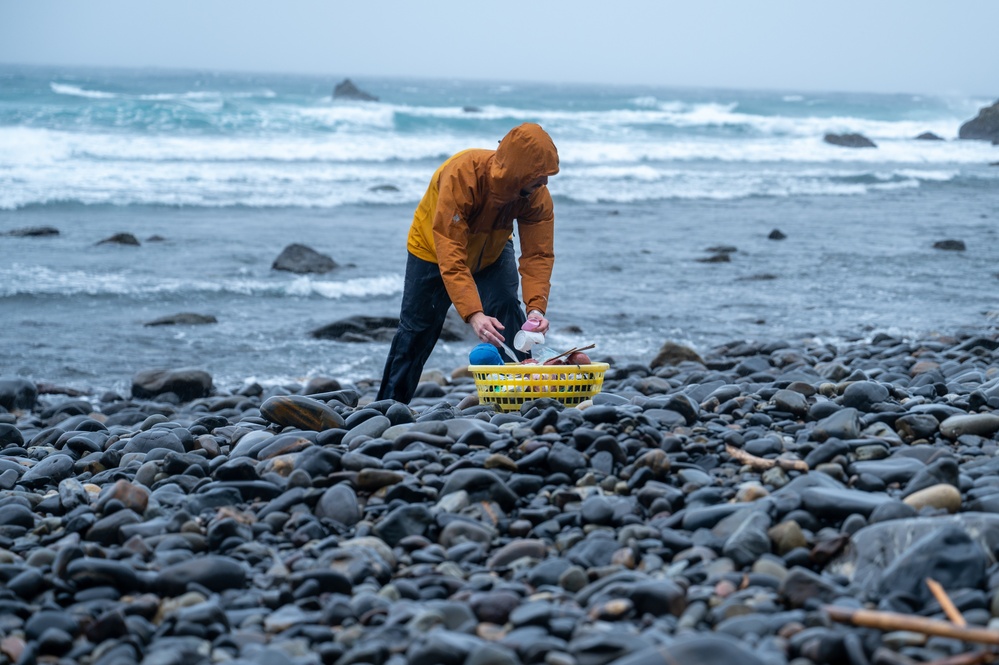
425	303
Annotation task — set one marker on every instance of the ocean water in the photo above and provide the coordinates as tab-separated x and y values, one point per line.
229	168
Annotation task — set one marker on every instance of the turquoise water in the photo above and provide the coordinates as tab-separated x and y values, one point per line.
229	168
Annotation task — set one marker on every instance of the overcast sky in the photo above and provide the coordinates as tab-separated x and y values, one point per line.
849	45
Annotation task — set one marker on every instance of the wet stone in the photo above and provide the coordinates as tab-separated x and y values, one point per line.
153	439
301	412
339	503
47	472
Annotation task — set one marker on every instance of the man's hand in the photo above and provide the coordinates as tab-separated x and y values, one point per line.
542	322
486	328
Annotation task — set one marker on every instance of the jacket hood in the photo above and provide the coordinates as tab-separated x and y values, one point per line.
524	154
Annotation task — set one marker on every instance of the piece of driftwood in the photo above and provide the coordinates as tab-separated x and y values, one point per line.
916	624
970	658
946	604
762	463
566	354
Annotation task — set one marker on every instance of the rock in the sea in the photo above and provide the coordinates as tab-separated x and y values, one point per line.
346	89
182	319
776	234
186	383
301	260
120	239
364	329
849	140
984	127
33	232
950	245
928	136
359	329
17	393
672	353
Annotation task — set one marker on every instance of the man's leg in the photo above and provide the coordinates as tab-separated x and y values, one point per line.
499	288
424	307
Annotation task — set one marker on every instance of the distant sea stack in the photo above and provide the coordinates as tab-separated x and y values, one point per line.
985	127
850	140
347	90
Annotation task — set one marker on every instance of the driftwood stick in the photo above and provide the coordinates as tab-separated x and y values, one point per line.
946	604
565	354
762	463
970	658
916	624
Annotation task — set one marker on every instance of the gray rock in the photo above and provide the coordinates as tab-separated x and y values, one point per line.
404	521
984	126
49	472
837	504
339	503
980	424
186	383
874	548
372	427
862	395
33	232
302	260
943	470
120	239
17	394
182	319
750	540
849	140
802	586
481	485
346	89
153	439
214	572
844	424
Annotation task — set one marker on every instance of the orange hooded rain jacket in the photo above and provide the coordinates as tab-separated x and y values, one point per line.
466	217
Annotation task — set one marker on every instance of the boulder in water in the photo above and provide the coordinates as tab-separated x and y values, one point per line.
120	239
850	140
346	89
182	318
34	232
300	259
983	127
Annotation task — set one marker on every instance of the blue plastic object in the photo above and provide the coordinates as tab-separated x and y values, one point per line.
485	354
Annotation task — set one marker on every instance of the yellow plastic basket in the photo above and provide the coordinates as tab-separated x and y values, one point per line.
510	386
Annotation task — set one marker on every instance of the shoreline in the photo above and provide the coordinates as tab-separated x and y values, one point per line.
711	505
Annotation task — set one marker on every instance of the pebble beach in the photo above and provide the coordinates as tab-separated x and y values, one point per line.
743	504
792	460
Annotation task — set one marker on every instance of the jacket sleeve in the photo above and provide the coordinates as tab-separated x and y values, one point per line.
455	201
536	227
